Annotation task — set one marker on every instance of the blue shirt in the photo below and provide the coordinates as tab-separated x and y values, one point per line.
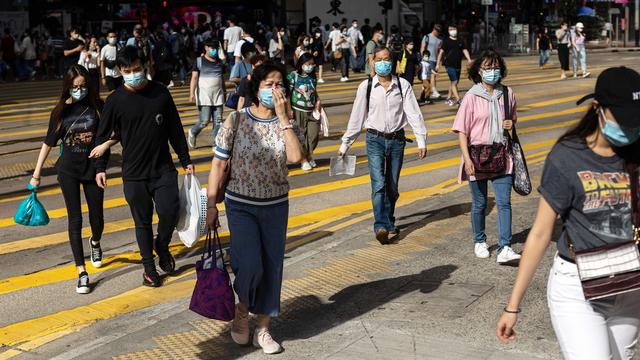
240	70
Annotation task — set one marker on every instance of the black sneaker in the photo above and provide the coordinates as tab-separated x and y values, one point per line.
151	278
83	283
96	254
167	262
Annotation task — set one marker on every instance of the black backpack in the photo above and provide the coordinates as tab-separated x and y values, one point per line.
396	43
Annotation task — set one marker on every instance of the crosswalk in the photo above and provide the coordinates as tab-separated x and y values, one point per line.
37	301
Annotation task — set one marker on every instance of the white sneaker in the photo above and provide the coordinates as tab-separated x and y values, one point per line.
313	163
170	84
507	255
585	75
321	81
262	339
344	79
191	140
306	166
563	76
482	250
435	95
575	75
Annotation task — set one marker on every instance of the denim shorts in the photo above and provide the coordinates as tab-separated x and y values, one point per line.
454	74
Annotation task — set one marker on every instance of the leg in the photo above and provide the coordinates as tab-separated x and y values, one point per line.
140	202
345	64
575	56
376	155
320	69
71	192
164	191
623	324
478	208
302	120
204	116
502	191
313	131
583	60
394	159
95	197
217	122
454	89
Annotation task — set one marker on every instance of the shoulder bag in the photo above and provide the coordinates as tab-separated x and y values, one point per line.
612	269
490	160
521	178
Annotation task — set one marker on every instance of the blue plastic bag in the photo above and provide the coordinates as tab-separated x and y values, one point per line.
31	212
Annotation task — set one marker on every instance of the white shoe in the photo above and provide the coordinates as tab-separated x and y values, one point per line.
563	76
240	328
507	255
435	95
306	166
482	250
320	81
170	84
191	140
344	79
575	75
262	339
313	163
585	75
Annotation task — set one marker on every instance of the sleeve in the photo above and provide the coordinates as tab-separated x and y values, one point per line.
414	114
242	89
357	119
235	71
53	133
226	34
464	116
554	186
225	137
106	127
176	133
195	66
101	57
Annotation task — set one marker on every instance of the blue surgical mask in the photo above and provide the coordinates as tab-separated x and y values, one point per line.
383	67
134	80
78	94
213	53
617	136
305	43
308	68
265	95
491	76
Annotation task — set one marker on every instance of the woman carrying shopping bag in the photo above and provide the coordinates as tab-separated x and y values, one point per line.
590	181
74	122
482	131
256	143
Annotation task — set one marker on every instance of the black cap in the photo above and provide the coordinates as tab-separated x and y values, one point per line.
618	89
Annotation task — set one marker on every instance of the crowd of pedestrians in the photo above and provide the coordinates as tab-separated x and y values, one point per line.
274	121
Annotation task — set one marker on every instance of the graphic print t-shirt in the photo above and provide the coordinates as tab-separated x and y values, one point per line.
591	193
303	92
77	135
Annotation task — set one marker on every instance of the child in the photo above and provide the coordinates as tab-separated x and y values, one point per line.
425	74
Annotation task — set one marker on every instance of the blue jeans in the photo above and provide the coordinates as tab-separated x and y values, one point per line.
208	113
581	57
231	60
258	237
385	162
544	57
502	191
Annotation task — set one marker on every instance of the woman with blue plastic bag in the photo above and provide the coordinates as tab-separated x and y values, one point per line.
73	124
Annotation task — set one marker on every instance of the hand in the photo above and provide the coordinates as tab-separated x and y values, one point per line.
504	329
341	154
468	168
437	68
191	99
98	151
190	169
103	81
212	217
422	153
507	124
101	180
35	183
281	103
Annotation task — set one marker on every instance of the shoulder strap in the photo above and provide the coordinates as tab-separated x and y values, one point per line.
400	87
507	106
632	169
369	84
199	62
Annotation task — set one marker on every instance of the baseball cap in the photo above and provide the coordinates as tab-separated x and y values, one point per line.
579	25
618	89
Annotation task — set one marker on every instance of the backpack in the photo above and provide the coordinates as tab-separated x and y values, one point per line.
396	43
370	84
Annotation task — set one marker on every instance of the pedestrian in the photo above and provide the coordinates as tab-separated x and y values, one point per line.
588	182
163	59
376	41
406	67
432	42
232	35
304	100
111	77
543	43
481	124
243	68
141	114
178	51
141	41
74	122
27	56
257	142
579	51
244	91
276	46
73	47
366	30
207	90
347	48
384	105
425	76
564	41
317	49
358	42
8	47
395	43
335	36
450	55
246	38
304	46
90	59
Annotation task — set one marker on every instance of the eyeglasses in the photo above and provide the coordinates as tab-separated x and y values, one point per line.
489	68
78	87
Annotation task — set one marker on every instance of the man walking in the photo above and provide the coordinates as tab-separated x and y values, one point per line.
432	43
384	105
370	49
109	74
450	54
231	37
143	117
358	41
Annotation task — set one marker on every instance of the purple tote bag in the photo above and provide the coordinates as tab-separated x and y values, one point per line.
212	296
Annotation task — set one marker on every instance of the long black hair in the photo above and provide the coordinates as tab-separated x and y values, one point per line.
303	59
492	57
92	99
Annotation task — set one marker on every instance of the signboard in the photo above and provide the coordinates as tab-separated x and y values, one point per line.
106	26
487	2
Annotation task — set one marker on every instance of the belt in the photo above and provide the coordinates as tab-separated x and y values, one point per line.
398	135
567	259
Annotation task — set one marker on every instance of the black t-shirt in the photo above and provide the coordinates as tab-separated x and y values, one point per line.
243	90
70	45
144	122
77	135
453	52
544	42
591	193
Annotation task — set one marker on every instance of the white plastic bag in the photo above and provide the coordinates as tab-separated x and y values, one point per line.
345	165
193	211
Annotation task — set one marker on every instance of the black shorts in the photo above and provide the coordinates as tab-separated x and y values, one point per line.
319	60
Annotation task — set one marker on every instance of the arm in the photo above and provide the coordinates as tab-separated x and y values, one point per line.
357	119
423	45
192	85
466	54
44	153
176	137
225	44
234	76
99	150
414	117
291	141
224	146
439	61
240	103
464	149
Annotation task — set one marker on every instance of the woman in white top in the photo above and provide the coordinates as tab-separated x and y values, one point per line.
28	54
276	45
304	46
90	59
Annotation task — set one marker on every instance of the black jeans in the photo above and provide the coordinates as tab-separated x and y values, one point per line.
94	195
141	196
563	56
346	53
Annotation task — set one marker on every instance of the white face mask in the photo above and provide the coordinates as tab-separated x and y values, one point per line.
410	47
453	33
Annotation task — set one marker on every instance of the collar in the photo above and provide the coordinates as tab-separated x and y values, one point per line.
394	81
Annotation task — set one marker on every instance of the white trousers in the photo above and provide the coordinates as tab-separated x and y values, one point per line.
591	330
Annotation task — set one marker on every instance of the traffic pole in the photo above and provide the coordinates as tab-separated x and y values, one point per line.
636	22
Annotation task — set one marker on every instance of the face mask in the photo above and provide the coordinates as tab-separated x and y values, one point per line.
491	76
281	33
265	95
616	135
113	41
134	80
425	58
344	33
78	94
355	26
410	47
453	33
383	68
318	35
213	52
305	43
308	68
